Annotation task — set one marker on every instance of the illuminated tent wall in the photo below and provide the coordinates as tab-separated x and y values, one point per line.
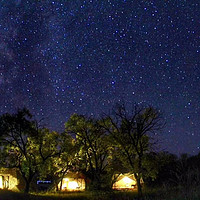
73	182
125	181
8	179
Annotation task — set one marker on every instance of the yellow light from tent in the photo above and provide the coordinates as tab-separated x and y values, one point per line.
64	183
1	182
72	185
127	180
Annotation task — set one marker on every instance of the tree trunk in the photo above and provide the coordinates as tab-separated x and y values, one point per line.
86	183
95	183
27	186
57	189
28	182
138	178
61	183
139	187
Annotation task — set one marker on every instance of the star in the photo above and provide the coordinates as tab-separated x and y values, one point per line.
58	58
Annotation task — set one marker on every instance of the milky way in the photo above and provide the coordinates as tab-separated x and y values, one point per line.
61	57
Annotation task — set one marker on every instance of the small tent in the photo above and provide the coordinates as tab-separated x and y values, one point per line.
8	179
125	181
73	181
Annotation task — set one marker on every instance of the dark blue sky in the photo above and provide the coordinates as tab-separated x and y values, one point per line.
61	57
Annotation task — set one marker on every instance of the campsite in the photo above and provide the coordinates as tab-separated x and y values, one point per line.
93	159
99	99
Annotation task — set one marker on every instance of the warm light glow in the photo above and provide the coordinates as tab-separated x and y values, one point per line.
72	185
123	182
64	183
127	180
1	182
69	184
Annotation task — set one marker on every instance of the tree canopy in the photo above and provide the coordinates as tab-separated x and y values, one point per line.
97	148
131	131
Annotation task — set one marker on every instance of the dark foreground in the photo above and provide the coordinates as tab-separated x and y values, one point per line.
8	195
153	194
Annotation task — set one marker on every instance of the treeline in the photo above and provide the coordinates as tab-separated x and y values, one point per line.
181	173
98	148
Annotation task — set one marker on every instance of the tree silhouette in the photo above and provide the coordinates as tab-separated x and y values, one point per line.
25	146
131	132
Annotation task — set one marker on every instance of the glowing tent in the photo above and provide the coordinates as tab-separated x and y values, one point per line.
125	181
72	182
8	179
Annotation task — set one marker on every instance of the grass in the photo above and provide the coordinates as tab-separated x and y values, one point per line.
149	194
115	195
9	195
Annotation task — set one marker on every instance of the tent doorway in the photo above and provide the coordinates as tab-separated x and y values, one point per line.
4	182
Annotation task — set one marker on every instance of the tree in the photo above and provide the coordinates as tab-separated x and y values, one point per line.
15	129
94	148
25	146
165	163
47	150
131	132
65	161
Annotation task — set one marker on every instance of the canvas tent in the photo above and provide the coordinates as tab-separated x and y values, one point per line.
125	181
8	179
72	182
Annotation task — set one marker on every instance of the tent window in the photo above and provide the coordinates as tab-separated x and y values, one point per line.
4	182
1	182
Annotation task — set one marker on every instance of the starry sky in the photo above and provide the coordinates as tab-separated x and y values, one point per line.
65	56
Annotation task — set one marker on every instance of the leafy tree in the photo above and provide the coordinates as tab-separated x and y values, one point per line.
65	161
94	149
25	146
165	164
130	130
46	144
15	130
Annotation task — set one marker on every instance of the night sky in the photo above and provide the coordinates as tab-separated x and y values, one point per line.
61	57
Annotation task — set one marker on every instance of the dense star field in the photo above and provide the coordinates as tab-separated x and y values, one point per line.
60	57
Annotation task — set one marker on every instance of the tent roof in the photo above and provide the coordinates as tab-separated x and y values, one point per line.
129	175
11	171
